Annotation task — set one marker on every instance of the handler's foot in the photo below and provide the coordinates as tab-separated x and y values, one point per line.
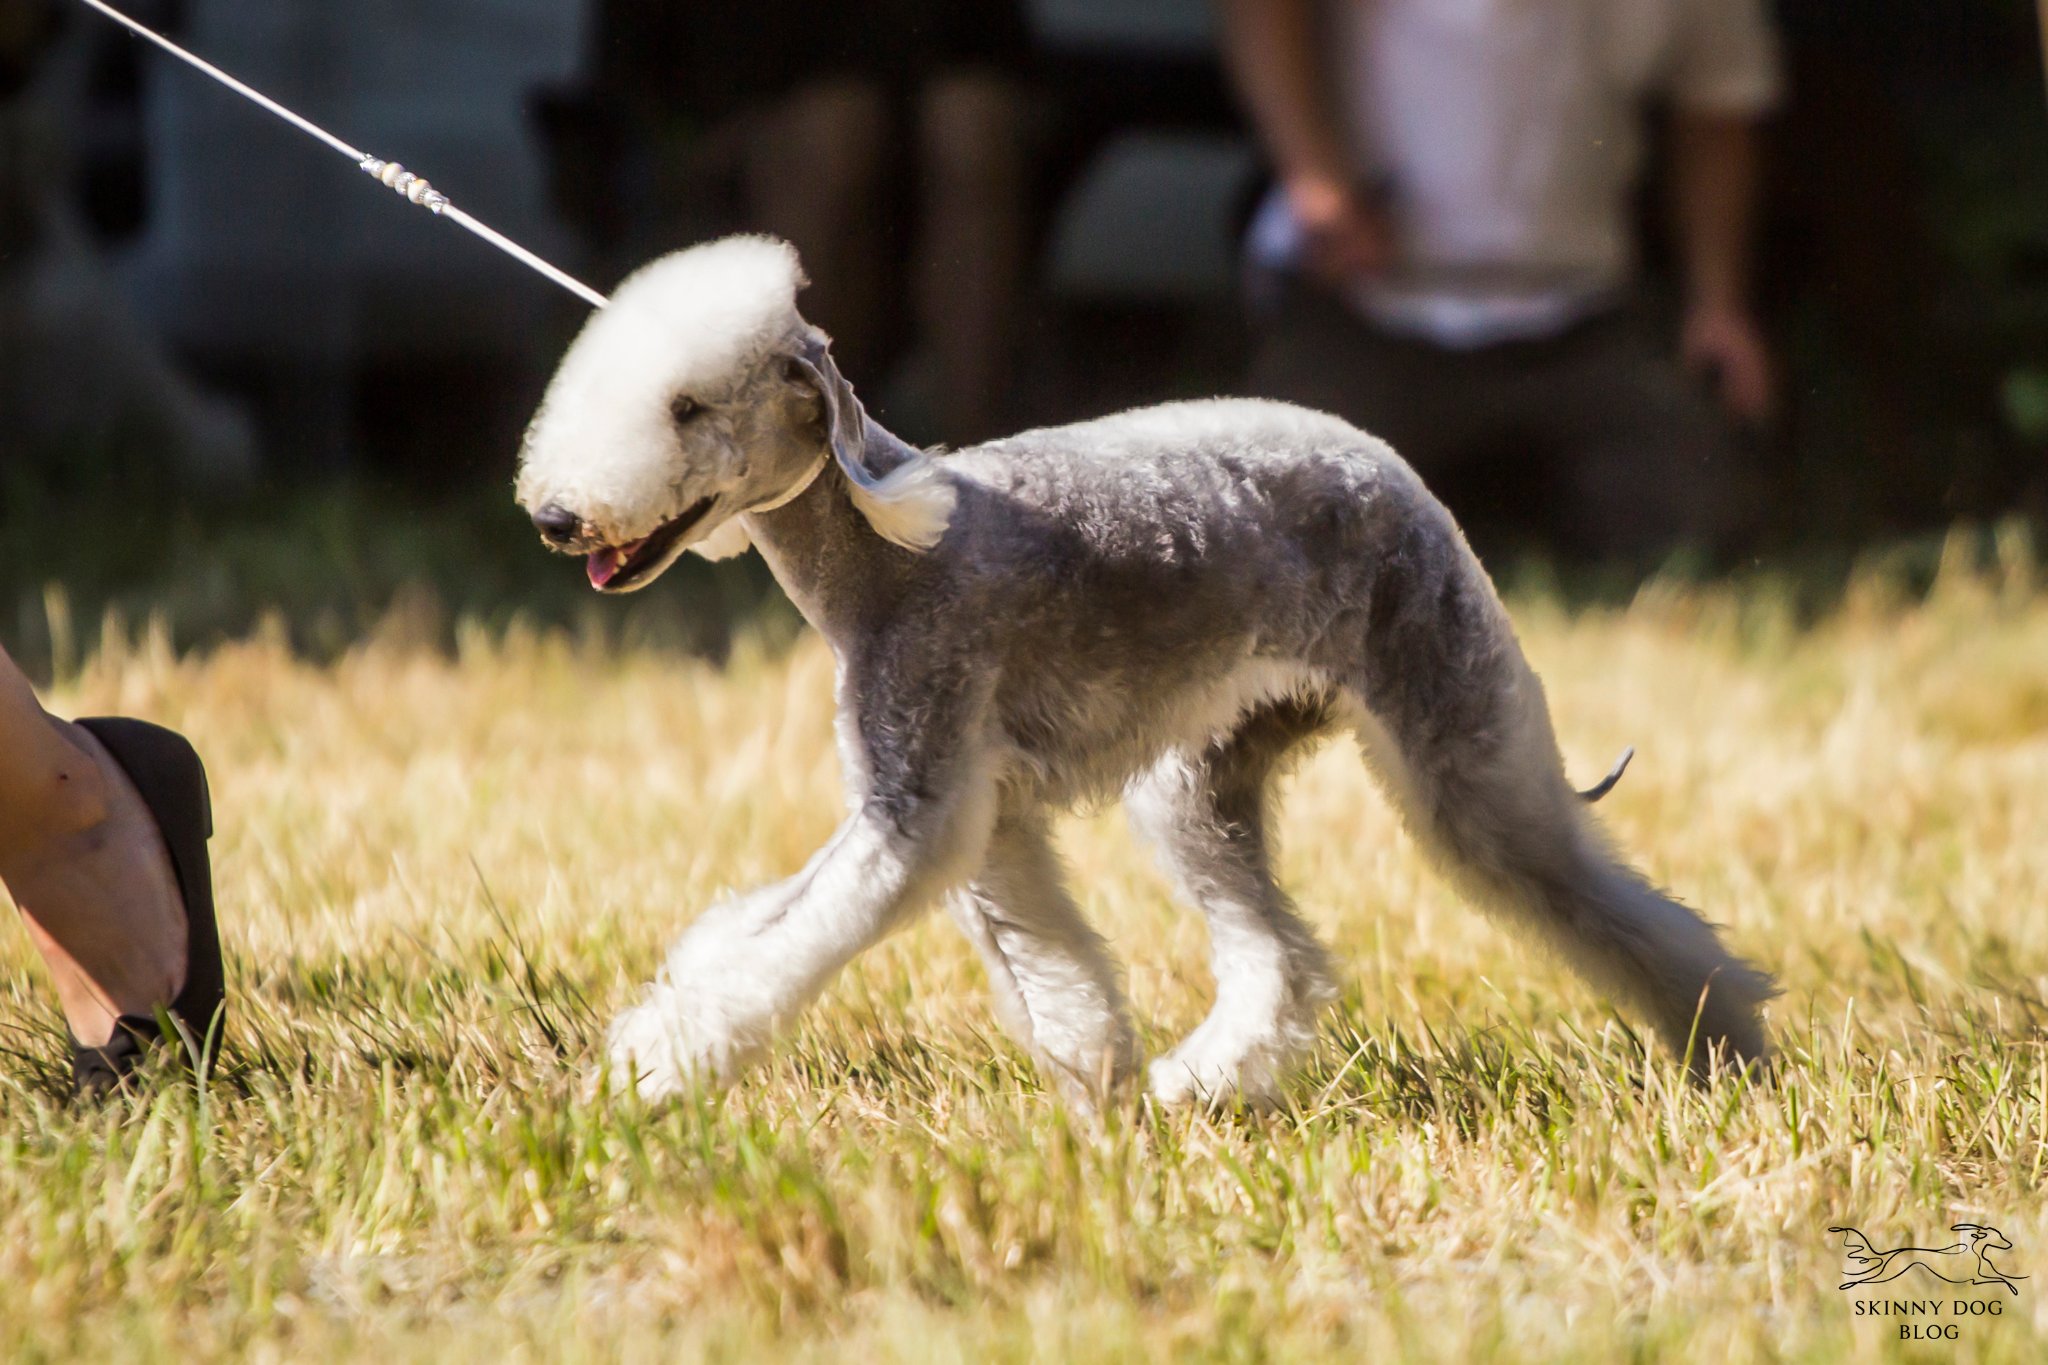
105	884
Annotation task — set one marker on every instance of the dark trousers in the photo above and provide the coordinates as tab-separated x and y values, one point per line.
1591	443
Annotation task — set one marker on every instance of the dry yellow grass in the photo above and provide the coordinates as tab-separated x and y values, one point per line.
438	876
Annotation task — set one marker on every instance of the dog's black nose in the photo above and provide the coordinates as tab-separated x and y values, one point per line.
557	524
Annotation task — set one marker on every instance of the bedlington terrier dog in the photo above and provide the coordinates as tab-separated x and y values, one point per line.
1161	605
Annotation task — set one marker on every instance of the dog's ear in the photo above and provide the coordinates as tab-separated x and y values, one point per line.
1966	1227
845	419
911	501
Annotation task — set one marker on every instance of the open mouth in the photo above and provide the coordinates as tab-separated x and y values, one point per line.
621	568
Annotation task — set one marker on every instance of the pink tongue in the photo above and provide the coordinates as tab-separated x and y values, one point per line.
604	565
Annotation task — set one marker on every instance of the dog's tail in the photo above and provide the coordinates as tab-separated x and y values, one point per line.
1461	736
1857	1245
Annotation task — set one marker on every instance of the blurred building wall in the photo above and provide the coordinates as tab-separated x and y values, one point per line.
260	242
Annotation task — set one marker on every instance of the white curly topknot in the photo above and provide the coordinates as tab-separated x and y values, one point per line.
697	322
702	324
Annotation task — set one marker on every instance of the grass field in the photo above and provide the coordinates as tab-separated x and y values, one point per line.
439	875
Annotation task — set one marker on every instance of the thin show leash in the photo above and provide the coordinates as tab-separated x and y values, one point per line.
411	187
414	189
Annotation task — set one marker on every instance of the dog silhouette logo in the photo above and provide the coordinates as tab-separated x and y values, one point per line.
1967	1262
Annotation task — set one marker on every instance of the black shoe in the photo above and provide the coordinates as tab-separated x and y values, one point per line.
97	1071
172	783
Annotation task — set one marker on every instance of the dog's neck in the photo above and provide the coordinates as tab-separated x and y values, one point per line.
823	552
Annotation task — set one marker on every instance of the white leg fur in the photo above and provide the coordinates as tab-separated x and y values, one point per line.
750	964
1271	974
1054	983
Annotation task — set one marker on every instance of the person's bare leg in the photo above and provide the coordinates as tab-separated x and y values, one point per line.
971	253
814	168
82	857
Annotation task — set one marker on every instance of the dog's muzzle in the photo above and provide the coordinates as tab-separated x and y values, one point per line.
621	568
557	525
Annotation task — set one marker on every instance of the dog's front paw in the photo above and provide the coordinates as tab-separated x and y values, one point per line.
642	1053
1185	1077
1219	1065
662	1052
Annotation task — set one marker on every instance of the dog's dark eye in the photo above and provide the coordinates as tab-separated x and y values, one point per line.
684	409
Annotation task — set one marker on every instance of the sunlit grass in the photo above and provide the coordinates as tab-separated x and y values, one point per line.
438	876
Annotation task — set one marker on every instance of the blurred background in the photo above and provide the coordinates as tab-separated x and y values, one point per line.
238	383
